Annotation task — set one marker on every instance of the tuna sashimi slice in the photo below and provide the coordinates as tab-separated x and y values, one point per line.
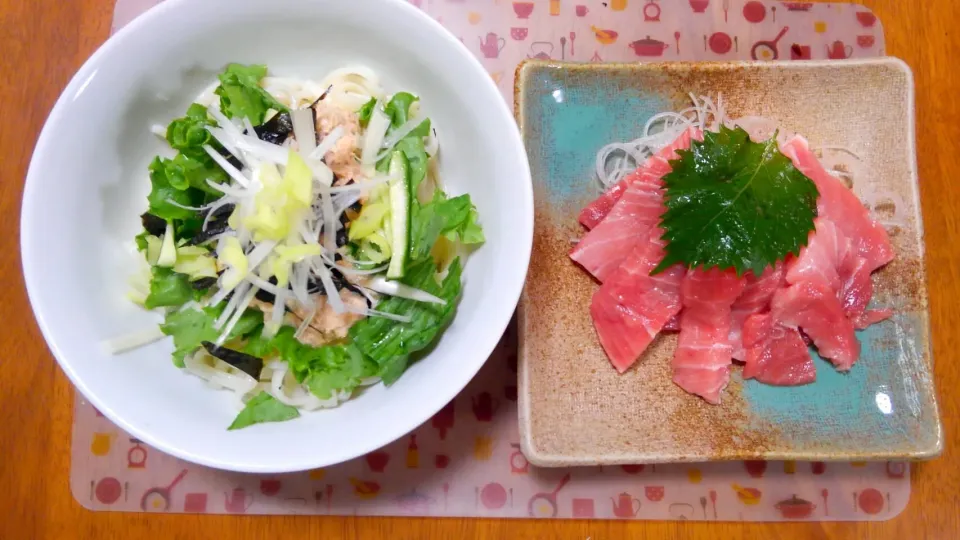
826	251
657	165
838	204
631	307
829	257
754	299
813	307
601	250
701	363
855	293
775	354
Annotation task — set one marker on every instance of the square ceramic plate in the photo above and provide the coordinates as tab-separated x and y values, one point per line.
574	407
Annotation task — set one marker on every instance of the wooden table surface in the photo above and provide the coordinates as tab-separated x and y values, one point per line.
44	41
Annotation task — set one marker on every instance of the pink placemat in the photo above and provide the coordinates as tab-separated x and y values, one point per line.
466	461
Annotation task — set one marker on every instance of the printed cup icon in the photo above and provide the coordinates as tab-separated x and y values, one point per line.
441	461
632	469
523	9
485	406
755	468
866	18
238	501
584	508
444	419
654	493
519	33
866	41
699	6
378	460
100	446
818	467
800	52
270	486
582	10
482	448
695	476
195	503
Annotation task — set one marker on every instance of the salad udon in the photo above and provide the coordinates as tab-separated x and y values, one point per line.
299	243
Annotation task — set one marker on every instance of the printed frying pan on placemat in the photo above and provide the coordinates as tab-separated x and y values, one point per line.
544	504
767	50
158	498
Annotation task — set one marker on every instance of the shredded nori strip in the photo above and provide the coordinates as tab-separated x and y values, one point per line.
251	365
154	225
216	225
276	130
203	284
314	286
266	296
231	159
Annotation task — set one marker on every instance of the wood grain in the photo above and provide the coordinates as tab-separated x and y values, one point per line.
44	41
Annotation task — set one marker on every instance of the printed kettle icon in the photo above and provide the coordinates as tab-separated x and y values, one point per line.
625	506
237	502
839	51
485	406
491	45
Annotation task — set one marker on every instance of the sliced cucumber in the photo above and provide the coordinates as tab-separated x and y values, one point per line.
369	221
400	199
168	249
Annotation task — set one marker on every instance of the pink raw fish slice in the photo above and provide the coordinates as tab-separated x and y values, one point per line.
838	204
813	307
754	299
775	354
657	165
701	363
631	307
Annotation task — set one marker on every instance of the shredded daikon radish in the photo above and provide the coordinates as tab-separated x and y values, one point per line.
397	135
367	312
333	295
225	165
618	159
229	190
395	288
373	139
327	143
241	308
133	340
235	300
304	130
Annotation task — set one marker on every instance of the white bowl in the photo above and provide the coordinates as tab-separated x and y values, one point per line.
88	183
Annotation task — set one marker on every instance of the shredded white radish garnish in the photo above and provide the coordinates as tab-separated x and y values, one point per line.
373	139
327	143
333	295
395	288
366	312
397	135
133	340
304	130
241	308
225	165
618	159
